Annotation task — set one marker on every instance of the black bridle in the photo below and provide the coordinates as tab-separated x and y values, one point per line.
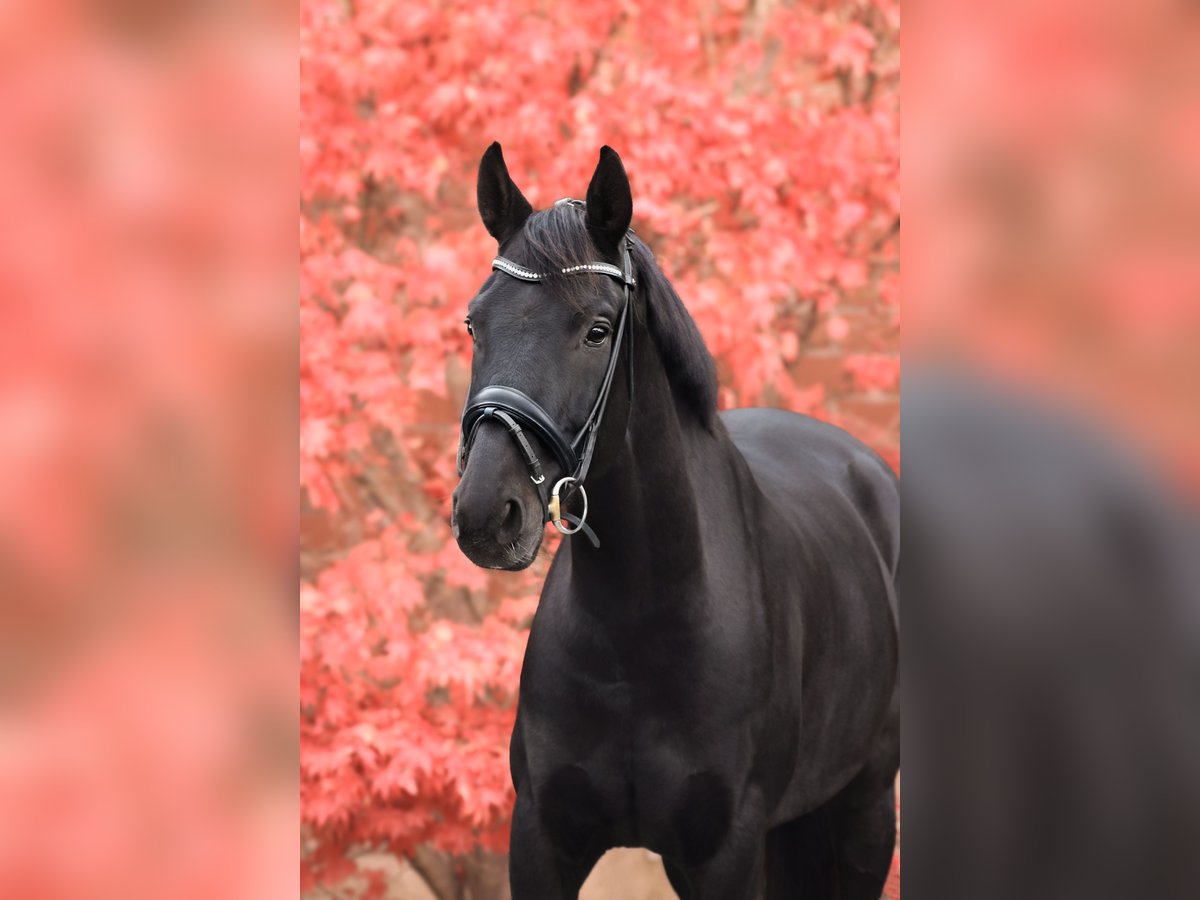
519	412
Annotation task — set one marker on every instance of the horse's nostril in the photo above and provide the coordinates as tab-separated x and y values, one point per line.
511	521
512	517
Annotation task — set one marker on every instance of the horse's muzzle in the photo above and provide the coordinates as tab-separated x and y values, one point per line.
497	515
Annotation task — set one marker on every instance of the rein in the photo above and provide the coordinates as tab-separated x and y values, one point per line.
519	412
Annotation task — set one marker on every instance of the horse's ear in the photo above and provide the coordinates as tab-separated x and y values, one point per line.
609	202
502	206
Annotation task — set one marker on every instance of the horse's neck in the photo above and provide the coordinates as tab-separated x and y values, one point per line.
648	506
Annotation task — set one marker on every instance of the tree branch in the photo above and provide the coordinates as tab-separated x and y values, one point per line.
437	871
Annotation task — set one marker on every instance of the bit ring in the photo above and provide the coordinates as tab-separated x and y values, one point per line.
555	506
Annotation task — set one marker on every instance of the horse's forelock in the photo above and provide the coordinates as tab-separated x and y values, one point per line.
552	240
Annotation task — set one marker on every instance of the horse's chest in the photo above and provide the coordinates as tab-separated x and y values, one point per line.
633	764
635	739
674	803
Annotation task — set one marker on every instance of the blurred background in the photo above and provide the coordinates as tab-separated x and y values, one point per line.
147	456
762	142
1052	449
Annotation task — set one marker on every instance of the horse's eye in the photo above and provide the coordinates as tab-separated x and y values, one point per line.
470	327
597	334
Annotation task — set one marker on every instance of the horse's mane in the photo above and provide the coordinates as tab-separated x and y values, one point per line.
557	237
689	365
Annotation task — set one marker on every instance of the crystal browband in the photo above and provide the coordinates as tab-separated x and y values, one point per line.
508	267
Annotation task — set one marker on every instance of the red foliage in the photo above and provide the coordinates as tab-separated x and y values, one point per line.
762	142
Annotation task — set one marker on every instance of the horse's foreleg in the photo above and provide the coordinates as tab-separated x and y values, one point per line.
841	851
864	817
844	848
733	873
537	870
866	842
800	858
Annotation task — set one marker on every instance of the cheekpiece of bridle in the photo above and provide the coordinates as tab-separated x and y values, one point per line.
518	412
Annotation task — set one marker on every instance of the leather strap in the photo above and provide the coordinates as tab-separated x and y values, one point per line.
507	404
596	416
584	527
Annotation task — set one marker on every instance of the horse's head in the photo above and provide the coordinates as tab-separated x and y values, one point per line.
550	339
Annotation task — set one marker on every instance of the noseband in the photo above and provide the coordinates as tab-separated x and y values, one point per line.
518	412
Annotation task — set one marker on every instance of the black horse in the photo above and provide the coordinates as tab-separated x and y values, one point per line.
717	679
